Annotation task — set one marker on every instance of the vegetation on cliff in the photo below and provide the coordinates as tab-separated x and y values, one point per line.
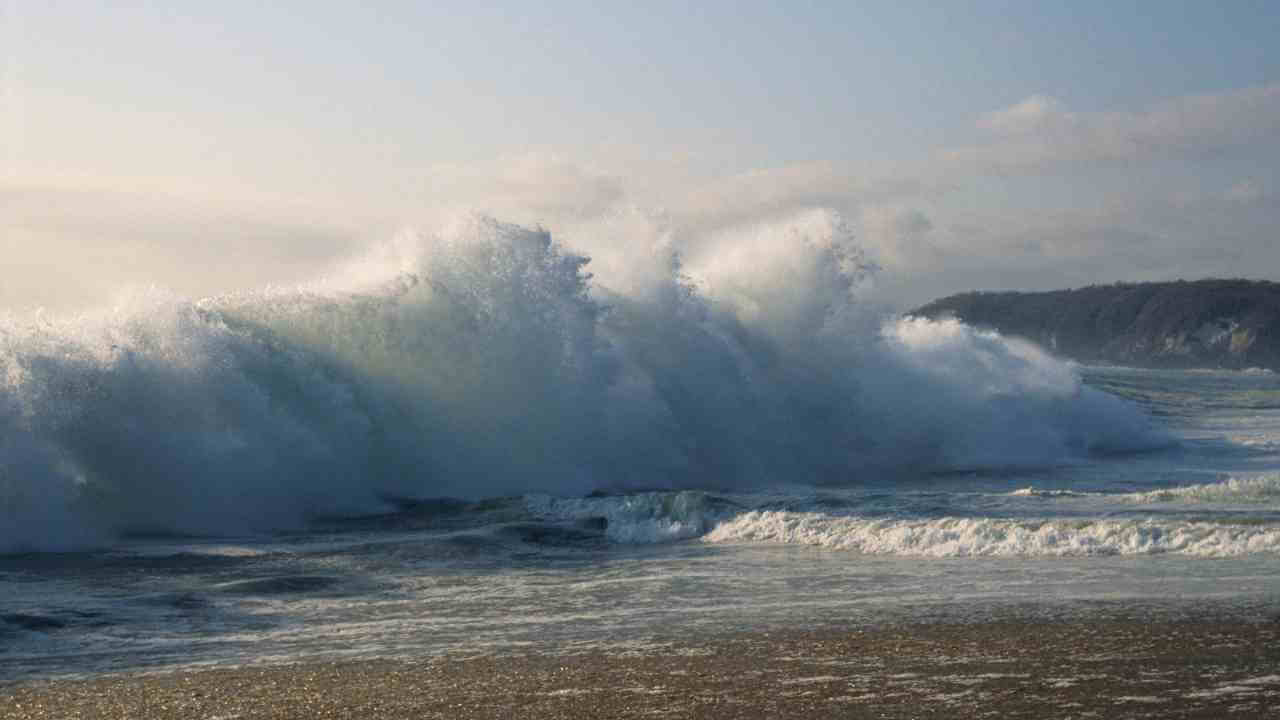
1200	324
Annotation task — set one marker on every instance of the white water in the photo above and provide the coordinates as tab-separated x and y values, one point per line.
483	360
964	537
1262	489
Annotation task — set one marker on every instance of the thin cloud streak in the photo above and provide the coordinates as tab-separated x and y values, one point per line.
1040	134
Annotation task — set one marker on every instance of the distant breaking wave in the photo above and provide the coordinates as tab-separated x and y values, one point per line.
665	517
484	360
1263	489
964	537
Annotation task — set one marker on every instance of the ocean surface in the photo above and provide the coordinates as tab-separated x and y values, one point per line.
465	443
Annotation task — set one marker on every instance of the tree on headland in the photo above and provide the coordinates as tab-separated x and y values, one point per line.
1230	323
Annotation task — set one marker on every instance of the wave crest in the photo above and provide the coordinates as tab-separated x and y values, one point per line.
965	537
484	360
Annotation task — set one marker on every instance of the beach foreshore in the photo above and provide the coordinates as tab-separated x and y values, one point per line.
1111	668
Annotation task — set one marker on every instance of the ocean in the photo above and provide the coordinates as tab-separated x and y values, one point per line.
466	444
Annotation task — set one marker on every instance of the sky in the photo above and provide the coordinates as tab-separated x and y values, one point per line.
211	147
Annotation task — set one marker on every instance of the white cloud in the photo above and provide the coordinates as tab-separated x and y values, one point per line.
1039	134
66	249
899	237
1036	113
936	229
927	243
760	194
551	184
1246	192
1140	236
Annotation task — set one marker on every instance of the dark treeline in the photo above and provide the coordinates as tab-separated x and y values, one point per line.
1205	323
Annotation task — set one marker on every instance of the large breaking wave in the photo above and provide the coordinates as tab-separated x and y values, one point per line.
485	360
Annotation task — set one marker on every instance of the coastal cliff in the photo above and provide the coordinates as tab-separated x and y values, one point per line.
1201	324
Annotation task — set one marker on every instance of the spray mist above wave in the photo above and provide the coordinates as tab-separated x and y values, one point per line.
484	360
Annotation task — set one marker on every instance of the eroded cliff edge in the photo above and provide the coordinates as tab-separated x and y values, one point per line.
1200	324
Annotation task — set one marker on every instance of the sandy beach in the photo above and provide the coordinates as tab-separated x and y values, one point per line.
1200	668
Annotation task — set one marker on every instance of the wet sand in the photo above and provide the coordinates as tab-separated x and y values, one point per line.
1005	668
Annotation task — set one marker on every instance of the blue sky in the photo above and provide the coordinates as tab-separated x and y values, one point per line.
1024	145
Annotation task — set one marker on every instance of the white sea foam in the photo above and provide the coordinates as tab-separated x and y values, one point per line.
1260	489
963	537
665	517
1250	490
1034	492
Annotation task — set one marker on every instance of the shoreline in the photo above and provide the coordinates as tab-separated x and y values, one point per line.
1205	667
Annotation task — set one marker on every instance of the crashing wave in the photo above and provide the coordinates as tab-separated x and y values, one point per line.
484	360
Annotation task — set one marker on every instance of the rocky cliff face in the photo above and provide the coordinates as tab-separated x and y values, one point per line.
1202	324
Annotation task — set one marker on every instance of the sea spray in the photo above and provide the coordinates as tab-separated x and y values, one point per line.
484	360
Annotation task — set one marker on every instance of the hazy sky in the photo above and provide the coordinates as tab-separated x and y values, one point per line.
213	146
